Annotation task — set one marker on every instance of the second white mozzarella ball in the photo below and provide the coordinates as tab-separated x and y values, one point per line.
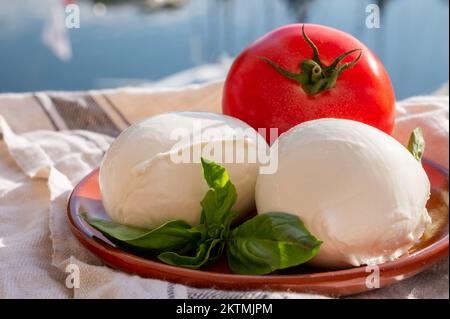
356	188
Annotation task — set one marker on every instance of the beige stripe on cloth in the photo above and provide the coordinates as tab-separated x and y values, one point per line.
38	169
34	115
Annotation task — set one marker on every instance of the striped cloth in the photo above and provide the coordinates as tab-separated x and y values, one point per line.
50	140
105	112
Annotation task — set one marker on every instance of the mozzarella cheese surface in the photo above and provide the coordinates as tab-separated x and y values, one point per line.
143	186
355	188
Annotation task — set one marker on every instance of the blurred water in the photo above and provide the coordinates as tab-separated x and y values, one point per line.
130	44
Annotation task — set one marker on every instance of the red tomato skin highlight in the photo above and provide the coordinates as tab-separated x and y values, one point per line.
257	94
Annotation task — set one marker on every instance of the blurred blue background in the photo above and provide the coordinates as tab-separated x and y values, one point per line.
143	42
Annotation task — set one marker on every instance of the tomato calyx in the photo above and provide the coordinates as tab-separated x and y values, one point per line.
315	77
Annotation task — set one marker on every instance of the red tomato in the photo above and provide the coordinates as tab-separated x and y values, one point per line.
277	82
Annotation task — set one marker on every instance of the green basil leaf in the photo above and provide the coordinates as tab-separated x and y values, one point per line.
173	235
416	143
220	198
200	258
269	242
215	175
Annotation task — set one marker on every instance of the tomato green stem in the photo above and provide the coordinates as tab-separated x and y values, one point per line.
315	77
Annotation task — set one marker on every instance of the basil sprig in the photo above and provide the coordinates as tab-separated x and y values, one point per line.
259	246
215	220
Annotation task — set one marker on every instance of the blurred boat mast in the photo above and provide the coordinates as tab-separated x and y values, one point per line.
55	34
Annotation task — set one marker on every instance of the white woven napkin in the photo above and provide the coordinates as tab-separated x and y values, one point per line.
38	170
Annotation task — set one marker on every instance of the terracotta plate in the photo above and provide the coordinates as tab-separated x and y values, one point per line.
86	198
